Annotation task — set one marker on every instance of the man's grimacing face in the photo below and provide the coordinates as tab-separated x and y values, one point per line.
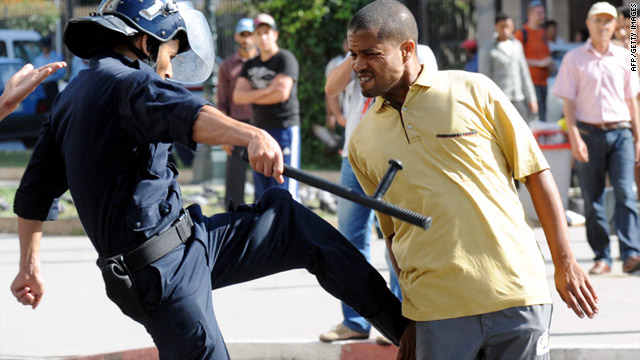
378	64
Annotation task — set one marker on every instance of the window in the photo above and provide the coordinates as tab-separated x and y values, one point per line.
26	50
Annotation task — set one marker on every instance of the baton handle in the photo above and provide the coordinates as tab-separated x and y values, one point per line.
344	192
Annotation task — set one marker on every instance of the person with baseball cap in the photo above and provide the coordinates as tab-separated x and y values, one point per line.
599	90
235	175
269	83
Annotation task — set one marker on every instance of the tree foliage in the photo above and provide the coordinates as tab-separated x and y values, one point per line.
313	30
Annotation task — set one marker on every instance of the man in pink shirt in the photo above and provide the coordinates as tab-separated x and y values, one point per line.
599	91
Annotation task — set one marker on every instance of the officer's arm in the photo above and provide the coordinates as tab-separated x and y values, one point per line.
213	127
27	286
244	93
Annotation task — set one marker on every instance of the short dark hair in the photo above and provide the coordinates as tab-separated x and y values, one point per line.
389	18
501	17
550	23
625	11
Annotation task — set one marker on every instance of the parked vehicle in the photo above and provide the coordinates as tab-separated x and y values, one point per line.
23	44
24	123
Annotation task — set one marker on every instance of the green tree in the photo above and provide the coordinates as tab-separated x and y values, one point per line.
313	30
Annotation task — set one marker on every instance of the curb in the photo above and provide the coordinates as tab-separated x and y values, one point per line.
351	350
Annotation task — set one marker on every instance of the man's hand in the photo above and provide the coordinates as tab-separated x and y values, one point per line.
533	107
28	286
407	350
579	150
265	156
575	289
22	83
228	149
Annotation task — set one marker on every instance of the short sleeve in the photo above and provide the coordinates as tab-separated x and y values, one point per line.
289	66
566	85
516	141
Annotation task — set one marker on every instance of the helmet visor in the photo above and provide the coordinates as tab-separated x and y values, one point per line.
194	65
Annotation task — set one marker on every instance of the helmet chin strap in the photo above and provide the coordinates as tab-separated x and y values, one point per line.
152	48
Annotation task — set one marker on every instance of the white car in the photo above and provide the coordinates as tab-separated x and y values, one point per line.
23	44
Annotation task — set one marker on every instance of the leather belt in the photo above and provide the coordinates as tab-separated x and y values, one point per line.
157	246
608	126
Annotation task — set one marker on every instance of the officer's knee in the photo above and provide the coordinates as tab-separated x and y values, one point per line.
194	343
271	196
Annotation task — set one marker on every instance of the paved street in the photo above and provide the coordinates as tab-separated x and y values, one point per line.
76	318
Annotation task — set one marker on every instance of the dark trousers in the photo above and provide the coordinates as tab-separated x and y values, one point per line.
541	94
274	235
235	177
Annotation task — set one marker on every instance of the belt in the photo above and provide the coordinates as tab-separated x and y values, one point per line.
608	126
157	246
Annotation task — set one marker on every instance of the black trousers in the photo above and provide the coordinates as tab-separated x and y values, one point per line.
276	234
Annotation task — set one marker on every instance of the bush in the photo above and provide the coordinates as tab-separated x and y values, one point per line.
313	30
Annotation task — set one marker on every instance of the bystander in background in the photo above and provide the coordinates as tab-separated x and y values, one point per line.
551	29
48	56
536	50
503	61
622	34
236	168
470	47
269	82
599	91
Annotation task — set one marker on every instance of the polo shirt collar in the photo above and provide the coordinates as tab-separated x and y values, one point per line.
423	80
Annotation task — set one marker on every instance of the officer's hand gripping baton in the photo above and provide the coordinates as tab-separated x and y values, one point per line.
372	202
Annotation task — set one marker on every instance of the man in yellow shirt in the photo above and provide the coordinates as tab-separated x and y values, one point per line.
475	282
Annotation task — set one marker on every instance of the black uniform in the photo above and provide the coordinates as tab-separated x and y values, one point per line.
108	141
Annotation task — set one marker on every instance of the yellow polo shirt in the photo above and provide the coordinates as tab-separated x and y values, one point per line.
459	139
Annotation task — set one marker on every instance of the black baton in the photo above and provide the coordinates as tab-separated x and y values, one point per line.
367	201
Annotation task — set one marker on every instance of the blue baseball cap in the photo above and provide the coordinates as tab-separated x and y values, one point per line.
244	24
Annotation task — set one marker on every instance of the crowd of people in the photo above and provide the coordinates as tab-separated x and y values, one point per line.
477	274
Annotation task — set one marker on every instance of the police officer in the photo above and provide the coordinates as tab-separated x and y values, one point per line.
108	140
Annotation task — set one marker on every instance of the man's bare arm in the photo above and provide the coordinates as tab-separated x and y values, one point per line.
213	127
572	283
394	262
245	94
28	286
578	147
338	78
334	112
279	90
22	83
